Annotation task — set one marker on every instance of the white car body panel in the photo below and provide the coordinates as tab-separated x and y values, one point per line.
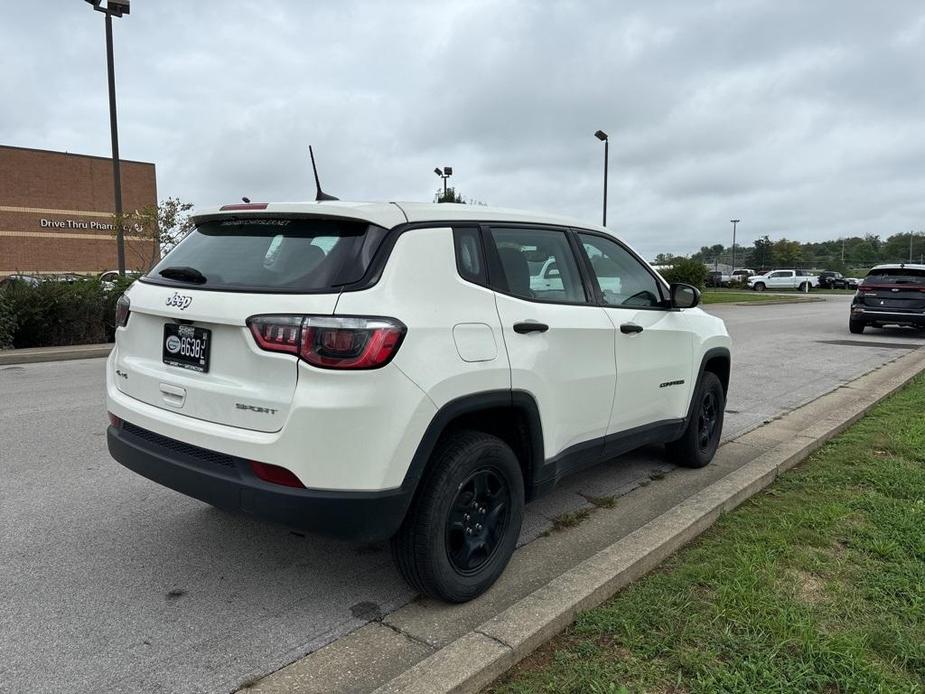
429	355
358	430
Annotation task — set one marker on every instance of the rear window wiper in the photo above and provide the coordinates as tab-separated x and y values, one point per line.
183	274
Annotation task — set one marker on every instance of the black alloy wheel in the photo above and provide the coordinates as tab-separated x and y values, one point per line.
463	524
707	420
477	520
700	439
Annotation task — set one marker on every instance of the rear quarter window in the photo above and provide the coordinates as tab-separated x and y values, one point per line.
285	255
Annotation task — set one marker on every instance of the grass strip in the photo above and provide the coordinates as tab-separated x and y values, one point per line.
816	584
712	296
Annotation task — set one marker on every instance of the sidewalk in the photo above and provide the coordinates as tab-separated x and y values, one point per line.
34	355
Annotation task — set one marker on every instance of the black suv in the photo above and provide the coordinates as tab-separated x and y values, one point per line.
829	279
890	295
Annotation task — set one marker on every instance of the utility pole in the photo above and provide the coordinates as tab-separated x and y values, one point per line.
445	173
116	8
734	223
602	136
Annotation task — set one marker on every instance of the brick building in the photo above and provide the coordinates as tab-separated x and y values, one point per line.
56	211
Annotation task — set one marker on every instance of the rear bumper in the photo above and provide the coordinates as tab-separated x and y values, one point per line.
229	483
872	315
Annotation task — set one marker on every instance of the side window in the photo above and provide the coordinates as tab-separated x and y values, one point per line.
537	264
623	280
470	261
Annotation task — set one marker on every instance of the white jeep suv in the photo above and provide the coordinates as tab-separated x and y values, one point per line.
385	370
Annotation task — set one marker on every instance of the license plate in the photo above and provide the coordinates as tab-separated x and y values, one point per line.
187	346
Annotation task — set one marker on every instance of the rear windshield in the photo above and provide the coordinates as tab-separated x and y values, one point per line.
286	255
896	275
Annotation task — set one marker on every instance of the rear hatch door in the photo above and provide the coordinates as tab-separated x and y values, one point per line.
186	346
894	289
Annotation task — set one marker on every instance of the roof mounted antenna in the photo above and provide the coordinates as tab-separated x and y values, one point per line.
320	194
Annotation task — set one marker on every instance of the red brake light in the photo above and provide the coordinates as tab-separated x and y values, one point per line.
275	474
277	333
330	342
243	206
114	420
350	343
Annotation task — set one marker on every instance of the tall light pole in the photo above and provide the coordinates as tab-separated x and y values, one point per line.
734	222
114	8
602	136
444	174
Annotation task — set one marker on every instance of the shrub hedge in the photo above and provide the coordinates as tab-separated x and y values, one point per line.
7	322
58	313
686	270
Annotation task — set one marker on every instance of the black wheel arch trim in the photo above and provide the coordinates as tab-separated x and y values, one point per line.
722	354
521	401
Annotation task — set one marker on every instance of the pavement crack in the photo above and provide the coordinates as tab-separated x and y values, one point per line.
494	638
410	637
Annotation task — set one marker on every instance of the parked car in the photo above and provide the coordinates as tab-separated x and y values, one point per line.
108	279
716	279
829	279
783	279
892	294
30	280
852	282
377	371
36	280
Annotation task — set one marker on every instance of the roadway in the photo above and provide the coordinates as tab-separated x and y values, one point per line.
111	583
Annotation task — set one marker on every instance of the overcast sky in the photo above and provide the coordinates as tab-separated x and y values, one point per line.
804	119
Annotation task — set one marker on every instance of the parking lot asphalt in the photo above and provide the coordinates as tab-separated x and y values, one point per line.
113	583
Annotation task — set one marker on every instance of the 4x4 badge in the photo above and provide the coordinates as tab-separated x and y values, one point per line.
181	301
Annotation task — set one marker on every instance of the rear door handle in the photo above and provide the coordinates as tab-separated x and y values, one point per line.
530	327
629	328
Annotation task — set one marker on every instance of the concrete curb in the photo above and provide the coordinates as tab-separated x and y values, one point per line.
771	303
474	660
39	354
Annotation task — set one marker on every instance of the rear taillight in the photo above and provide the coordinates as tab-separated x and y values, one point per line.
331	342
275	474
115	420
123	308
277	333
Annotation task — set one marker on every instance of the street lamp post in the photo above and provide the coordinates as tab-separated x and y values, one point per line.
734	222
444	174
114	8
602	136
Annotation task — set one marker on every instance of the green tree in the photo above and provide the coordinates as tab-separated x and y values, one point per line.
450	196
687	270
762	253
162	225
786	252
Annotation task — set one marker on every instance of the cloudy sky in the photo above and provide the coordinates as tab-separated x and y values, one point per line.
804	119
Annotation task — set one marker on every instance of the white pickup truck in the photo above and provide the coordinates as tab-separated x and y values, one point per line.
803	280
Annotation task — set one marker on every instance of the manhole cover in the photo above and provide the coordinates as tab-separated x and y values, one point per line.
863	343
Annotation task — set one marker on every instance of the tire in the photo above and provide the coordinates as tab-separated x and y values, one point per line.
698	444
805	286
759	286
442	549
856	326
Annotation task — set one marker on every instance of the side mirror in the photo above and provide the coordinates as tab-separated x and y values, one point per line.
684	295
